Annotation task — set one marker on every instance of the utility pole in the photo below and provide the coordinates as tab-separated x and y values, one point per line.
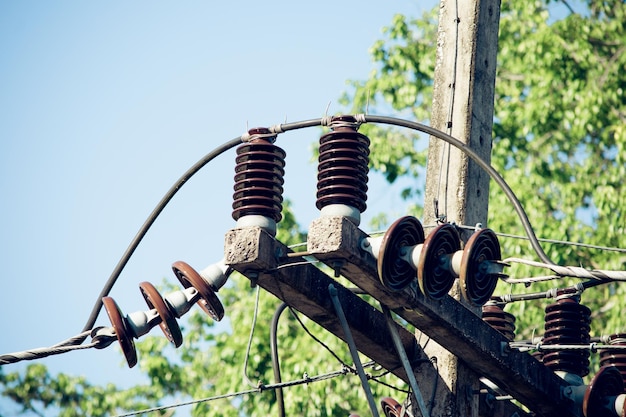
456	188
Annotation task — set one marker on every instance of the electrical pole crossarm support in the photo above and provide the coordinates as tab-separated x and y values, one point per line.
446	321
256	254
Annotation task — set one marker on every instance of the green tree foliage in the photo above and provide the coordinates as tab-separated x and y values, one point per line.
559	140
559	132
35	390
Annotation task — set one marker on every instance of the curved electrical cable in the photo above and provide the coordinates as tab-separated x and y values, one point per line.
246	378
275	362
299	125
166	199
534	242
148	223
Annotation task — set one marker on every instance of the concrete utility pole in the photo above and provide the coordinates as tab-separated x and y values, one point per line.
456	188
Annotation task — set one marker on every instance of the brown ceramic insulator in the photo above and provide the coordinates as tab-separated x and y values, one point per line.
615	357
477	282
208	302
391	408
122	331
567	322
393	271
343	166
434	272
538	355
504	322
601	392
168	323
259	178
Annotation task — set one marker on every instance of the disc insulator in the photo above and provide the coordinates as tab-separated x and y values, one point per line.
478	282
208	302
122	331
434	272
393	271
168	323
604	386
391	407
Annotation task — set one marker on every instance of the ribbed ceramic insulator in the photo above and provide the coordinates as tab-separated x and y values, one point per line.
259	178
567	322
615	357
343	166
502	321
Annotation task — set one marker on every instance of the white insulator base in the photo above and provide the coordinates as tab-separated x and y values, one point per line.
342	210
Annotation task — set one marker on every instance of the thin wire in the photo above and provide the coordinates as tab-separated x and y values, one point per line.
574	271
531	280
280	401
305	328
446	151
258	390
245	362
543	347
544	240
324	345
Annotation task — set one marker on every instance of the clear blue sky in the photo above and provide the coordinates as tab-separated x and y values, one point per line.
103	105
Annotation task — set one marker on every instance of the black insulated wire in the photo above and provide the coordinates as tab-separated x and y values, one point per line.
275	361
148	223
519	209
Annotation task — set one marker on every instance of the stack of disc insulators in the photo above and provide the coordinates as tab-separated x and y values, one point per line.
567	322
615	357
496	317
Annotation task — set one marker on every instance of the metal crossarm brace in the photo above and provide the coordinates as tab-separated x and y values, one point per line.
336	241
257	255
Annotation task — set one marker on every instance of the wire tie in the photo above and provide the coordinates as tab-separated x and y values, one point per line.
277	128
360	118
579	287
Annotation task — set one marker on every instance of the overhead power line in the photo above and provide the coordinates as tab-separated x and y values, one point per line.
261	388
101	338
